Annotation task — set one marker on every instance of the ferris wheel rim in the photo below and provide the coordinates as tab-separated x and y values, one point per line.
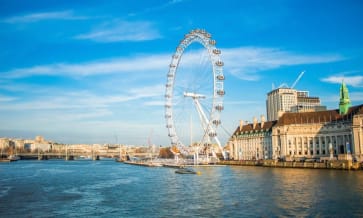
204	38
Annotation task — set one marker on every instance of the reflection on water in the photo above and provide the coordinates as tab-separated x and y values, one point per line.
111	189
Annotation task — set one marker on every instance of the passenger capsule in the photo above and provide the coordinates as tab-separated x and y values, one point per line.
216	122
220	77
219	107
220	92
219	63
212	134
216	51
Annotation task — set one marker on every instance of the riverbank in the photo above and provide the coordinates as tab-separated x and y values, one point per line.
331	164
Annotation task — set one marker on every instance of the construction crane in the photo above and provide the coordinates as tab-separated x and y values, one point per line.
297	80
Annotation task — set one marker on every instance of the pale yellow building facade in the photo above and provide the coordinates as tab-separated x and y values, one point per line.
296	136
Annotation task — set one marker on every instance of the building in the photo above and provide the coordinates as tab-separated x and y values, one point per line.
252	141
306	103
329	134
4	143
279	101
316	134
283	100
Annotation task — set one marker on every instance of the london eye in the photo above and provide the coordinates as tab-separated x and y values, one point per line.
194	95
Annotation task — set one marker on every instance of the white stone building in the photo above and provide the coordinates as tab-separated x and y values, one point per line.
252	141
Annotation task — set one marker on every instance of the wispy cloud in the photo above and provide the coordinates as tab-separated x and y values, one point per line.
356	96
246	62
6	98
60	100
154	103
112	66
156	7
332	101
35	17
117	31
356	81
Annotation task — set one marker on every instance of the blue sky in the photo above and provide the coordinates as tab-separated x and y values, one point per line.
95	71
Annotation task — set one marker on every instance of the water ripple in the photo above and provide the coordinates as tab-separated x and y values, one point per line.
110	189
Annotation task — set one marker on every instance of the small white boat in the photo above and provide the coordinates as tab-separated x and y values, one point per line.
187	171
13	157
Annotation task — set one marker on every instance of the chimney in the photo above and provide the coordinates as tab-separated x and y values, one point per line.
263	120
254	122
240	125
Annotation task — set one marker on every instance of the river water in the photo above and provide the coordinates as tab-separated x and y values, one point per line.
105	188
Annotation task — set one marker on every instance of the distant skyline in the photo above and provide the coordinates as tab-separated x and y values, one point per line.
95	71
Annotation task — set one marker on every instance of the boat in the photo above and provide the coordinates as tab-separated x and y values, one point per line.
187	171
145	164
13	157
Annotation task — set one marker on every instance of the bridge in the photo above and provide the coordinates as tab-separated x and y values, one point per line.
78	155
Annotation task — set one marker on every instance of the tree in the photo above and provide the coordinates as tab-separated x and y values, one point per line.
165	153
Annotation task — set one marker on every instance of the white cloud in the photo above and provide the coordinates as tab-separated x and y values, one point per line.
35	17
60	100
154	103
148	91
243	62
332	101
246	62
116	31
6	98
356	97
112	66
156	7
356	81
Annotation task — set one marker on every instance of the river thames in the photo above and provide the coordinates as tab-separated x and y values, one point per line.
105	188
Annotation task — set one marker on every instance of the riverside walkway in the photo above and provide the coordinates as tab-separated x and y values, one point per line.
331	164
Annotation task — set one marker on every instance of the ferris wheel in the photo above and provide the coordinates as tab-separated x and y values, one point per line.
194	95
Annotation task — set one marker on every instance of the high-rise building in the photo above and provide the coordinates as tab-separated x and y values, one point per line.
279	101
283	100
